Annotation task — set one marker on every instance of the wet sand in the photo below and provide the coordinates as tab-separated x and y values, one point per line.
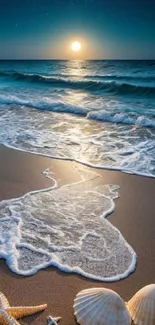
134	216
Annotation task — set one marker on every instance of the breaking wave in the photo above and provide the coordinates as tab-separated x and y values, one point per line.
113	87
50	105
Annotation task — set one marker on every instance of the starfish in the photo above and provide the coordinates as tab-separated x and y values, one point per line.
52	321
8	315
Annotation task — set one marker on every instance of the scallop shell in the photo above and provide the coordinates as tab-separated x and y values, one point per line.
100	306
142	306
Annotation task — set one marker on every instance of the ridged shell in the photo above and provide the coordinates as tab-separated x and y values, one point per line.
142	306
100	306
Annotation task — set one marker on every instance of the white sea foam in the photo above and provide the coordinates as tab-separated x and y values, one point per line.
122	118
44	103
108	117
57	105
65	227
121	147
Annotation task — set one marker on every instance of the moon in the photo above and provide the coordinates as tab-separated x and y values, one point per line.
76	46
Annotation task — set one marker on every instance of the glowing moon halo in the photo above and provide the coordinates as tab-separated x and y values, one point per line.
76	46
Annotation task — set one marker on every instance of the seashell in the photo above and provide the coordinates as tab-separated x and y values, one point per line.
100	306
142	306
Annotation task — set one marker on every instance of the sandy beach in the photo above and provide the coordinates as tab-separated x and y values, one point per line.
134	216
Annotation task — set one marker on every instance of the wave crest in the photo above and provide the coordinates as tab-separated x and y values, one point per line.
60	107
112	87
122	118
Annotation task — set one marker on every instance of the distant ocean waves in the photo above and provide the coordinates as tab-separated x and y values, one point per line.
115	85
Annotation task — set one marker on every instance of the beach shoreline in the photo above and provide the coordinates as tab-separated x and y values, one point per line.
21	172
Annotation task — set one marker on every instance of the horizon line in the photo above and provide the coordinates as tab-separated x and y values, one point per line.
123	59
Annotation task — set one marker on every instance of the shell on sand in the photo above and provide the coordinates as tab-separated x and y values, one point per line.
142	306
100	306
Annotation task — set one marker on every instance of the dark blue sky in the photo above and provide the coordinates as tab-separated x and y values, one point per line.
107	29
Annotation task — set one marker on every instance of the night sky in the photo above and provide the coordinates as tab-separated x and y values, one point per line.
107	29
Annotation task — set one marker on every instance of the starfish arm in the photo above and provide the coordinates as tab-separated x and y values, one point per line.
52	320
3	301
19	312
5	319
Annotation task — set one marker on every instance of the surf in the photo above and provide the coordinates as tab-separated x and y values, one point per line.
109	87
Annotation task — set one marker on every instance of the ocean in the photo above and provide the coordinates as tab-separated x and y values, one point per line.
98	113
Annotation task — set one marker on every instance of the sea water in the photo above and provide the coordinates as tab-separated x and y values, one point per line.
99	113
